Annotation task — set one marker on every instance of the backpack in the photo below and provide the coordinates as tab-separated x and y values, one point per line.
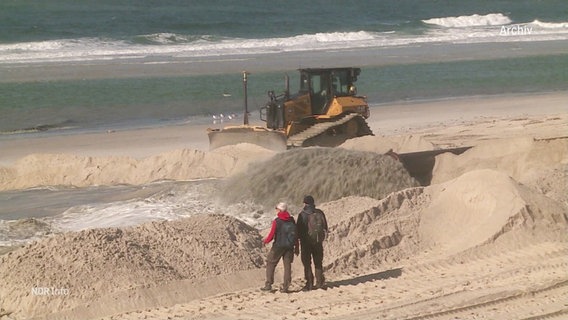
286	233
316	226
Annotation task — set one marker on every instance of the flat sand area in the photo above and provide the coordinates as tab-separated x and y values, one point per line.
386	120
487	239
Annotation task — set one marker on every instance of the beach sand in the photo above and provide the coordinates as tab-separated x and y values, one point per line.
486	240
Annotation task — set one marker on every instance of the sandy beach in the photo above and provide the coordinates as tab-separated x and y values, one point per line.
487	239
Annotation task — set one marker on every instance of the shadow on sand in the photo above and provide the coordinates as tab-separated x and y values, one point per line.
393	273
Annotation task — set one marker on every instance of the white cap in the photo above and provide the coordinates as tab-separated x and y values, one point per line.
282	206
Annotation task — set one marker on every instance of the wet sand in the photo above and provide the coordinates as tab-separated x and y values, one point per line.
386	120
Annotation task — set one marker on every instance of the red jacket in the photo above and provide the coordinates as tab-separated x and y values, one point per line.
283	215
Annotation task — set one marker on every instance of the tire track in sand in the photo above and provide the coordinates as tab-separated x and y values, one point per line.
492	288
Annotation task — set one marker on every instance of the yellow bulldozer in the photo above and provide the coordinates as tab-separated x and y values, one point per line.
325	111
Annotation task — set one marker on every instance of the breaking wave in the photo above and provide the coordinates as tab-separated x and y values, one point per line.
178	46
476	20
550	25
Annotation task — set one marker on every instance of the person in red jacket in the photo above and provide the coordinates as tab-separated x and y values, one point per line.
285	245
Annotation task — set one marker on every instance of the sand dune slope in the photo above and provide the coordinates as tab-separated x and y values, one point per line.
90	265
498	252
79	171
477	208
539	164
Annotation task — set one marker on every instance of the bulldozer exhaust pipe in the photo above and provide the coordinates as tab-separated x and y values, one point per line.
287	86
246	115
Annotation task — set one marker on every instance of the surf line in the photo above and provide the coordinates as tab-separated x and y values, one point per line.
515	30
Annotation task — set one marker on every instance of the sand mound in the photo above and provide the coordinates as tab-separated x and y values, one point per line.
344	208
326	173
86	265
539	164
71	170
381	145
521	158
480	206
473	210
244	155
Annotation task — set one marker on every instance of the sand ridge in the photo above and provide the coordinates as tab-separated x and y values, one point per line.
79	171
93	263
325	173
376	234
382	257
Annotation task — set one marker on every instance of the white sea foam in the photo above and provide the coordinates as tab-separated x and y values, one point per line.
177	202
173	201
550	25
163	46
492	19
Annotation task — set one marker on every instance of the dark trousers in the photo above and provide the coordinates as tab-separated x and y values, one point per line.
272	260
312	251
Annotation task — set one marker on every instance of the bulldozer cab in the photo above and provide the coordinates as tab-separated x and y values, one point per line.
324	84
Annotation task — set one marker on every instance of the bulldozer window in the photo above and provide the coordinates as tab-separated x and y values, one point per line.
340	83
319	93
304	83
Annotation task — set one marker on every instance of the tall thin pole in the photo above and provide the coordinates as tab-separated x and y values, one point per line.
246	118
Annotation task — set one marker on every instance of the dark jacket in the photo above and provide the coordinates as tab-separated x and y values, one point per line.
302	223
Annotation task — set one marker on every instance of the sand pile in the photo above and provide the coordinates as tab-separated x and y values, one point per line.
244	155
72	170
475	209
524	159
381	145
326	173
87	265
539	164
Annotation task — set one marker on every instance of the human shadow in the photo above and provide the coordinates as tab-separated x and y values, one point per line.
393	273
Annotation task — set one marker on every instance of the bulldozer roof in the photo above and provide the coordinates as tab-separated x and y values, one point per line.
320	70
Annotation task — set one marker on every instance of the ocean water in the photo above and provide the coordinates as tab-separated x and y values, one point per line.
73	66
28	215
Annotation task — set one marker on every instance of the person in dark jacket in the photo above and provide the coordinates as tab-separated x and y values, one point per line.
311	249
284	246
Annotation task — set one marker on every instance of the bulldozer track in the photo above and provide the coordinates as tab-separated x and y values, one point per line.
450	303
508	298
560	314
299	139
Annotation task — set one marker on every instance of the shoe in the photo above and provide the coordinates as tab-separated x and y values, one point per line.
320	286
284	290
307	288
266	288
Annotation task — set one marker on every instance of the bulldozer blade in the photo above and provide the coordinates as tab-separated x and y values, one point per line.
269	139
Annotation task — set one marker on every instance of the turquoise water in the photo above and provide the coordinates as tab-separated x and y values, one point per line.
131	20
112	102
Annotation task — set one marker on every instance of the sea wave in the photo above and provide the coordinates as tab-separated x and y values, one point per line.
164	46
476	20
174	200
550	25
65	125
174	38
18	232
